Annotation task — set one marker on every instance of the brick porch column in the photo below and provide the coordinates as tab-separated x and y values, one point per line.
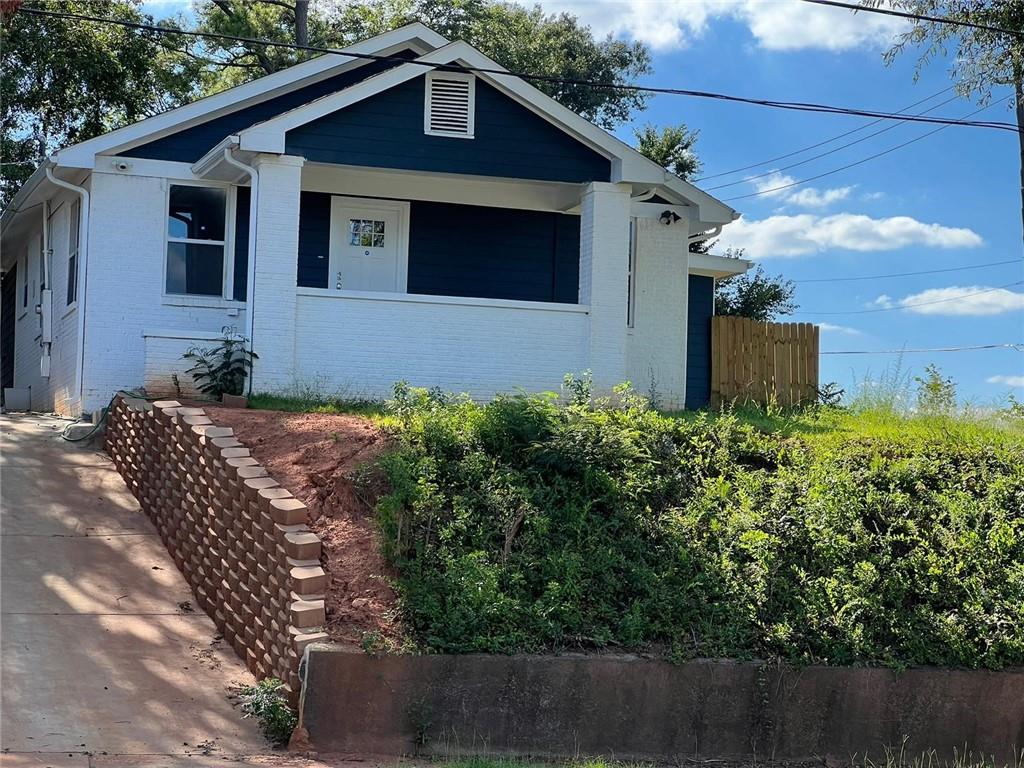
276	271
604	274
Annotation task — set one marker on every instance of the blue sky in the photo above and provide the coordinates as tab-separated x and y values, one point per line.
949	200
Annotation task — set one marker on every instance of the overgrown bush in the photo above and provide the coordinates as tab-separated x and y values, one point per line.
530	524
264	702
222	369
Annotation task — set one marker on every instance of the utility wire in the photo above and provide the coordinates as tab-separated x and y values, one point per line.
918	17
1018	347
916	304
820	155
822	143
790	105
906	274
856	162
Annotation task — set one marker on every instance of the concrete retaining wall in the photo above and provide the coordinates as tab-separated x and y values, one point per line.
629	708
239	538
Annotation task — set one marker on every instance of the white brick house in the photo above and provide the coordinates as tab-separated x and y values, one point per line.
361	220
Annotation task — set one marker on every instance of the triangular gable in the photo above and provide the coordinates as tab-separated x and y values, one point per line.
310	74
627	165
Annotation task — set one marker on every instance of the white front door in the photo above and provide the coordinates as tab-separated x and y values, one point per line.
367	245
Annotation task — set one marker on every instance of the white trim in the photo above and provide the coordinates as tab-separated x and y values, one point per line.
140	166
710	265
463	301
82	155
400	207
555	197
428	103
227	244
187	335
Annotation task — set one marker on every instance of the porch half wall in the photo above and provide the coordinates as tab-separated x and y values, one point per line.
359	347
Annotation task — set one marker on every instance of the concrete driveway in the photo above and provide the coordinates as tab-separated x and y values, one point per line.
104	661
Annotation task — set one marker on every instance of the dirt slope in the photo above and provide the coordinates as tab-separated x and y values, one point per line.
313	456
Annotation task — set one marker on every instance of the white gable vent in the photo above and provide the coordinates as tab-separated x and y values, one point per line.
450	104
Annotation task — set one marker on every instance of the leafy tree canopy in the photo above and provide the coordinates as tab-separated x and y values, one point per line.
672	147
65	80
755	294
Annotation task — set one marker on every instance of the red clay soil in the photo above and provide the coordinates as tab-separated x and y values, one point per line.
313	455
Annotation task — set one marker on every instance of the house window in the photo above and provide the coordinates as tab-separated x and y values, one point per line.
24	282
74	232
196	226
366	232
450	104
631	277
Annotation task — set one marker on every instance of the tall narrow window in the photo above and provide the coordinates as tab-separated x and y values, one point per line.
74	232
631	277
196	223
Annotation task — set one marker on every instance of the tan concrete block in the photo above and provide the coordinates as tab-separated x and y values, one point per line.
302	545
308	613
288	511
308	580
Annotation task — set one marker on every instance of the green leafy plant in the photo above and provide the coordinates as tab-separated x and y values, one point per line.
223	369
534	523
936	394
264	702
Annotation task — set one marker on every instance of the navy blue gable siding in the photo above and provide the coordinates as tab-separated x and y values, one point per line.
698	341
189	145
386	131
493	253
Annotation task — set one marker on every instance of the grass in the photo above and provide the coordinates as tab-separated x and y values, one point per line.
312	403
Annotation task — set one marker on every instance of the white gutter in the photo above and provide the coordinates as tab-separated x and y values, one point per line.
250	267
702	236
83	259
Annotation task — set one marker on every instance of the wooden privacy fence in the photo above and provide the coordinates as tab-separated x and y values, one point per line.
763	362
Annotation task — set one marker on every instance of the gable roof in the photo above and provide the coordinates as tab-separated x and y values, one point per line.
433	51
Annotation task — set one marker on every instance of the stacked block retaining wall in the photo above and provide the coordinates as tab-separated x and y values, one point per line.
239	538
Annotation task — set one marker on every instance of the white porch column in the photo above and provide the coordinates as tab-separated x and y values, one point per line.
604	274
275	271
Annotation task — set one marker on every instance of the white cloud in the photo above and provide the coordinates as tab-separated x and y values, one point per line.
956	300
788	25
1010	381
809	197
804	234
844	329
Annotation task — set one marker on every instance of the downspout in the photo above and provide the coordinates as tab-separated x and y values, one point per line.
83	273
250	270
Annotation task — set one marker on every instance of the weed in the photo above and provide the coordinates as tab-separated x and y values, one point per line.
222	369
264	702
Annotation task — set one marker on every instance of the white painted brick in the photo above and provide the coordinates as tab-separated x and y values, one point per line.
656	350
361	347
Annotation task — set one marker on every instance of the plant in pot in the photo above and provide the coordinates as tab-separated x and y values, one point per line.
220	371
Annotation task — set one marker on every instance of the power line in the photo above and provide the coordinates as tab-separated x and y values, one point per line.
820	155
837	137
1018	347
906	274
918	17
790	105
856	162
916	304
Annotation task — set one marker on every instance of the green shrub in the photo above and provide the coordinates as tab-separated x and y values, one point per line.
529	525
264	702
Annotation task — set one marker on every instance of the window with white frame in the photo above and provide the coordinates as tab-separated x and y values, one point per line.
74	232
196	240
631	277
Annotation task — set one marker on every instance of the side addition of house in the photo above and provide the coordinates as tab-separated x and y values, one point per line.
361	220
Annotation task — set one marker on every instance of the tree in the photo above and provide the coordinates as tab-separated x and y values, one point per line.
672	148
520	39
66	81
754	294
983	59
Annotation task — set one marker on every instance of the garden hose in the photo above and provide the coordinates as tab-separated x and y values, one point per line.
101	421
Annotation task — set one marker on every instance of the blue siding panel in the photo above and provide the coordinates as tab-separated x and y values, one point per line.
465	250
314	239
386	131
241	243
698	341
189	145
